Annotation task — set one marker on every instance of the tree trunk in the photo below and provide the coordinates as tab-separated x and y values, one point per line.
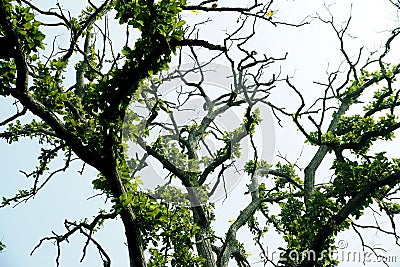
203	241
134	239
204	247
132	231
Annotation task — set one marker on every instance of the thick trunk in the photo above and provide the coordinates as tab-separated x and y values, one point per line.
204	247
134	239
203	237
132	230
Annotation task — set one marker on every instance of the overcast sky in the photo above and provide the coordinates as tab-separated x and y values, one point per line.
310	49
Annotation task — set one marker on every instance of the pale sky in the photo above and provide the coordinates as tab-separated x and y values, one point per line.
310	49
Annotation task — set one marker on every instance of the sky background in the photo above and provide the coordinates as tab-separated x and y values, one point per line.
312	50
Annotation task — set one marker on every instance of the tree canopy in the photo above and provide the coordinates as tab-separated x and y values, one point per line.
143	90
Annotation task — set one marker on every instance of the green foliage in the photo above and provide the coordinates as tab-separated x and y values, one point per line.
391	208
170	149
7	74
353	176
299	227
252	120
24	21
359	132
89	118
173	241
168	229
161	18
47	86
159	24
381	98
251	166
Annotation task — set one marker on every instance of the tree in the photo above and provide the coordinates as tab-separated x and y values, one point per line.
116	103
